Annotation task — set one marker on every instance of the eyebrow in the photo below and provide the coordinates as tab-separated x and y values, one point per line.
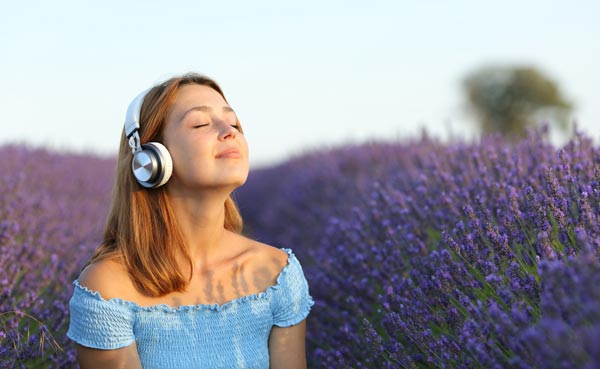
206	109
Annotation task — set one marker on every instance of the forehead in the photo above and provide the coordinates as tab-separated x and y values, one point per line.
190	95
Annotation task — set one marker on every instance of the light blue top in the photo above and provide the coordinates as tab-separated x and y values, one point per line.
232	335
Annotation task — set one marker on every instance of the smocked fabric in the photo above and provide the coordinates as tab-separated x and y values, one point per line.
232	335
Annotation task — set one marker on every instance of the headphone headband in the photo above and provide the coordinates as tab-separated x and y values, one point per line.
132	118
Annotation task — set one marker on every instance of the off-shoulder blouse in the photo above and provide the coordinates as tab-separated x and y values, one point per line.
232	335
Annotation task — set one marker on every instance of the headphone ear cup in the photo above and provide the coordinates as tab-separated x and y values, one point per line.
152	166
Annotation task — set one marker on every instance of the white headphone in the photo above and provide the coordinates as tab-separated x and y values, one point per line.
152	165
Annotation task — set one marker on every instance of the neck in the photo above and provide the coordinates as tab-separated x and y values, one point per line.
201	218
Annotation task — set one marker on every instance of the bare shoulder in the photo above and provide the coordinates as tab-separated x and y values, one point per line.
257	250
267	254
107	277
265	262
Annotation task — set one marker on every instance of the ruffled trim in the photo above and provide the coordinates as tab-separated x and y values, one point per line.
215	307
298	317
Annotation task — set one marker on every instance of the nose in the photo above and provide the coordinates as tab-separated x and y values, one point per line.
226	131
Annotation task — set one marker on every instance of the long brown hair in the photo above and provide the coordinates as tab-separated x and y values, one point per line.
141	229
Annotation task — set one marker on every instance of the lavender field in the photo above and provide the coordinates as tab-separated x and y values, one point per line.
418	254
52	210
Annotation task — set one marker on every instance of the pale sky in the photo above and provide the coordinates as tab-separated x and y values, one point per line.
299	75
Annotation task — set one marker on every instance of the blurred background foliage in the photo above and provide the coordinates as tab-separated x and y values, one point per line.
507	99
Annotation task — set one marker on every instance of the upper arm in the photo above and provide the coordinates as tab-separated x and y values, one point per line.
122	358
108	279
287	347
290	304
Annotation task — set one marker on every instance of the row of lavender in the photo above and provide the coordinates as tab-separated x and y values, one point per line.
425	255
418	254
52	209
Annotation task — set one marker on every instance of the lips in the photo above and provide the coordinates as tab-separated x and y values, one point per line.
229	153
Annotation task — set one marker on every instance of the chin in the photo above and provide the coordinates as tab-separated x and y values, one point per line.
234	179
240	181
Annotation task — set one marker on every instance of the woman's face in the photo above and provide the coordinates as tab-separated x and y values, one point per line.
207	149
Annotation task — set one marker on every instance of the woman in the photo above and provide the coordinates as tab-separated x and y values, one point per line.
174	284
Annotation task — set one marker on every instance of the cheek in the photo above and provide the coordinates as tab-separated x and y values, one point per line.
186	152
244	144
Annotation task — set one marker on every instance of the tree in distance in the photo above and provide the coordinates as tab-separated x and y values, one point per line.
508	99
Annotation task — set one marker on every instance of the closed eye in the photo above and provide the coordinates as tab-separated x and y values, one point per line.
236	126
